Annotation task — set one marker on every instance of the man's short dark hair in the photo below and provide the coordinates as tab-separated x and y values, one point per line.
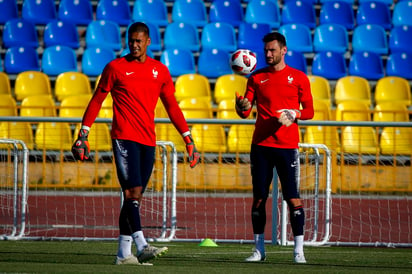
275	36
138	27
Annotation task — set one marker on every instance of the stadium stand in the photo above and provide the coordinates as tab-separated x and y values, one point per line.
392	89
298	37
330	37
117	11
61	33
320	88
352	88
153	11
399	64
192	86
400	39
5	86
19	59
227	85
247	30
296	59
53	136
8	105
71	84
401	14
372	38
366	64
263	12
20	32
78	12
179	61
213	63
219	35
103	33
39	12
58	59
9	10
190	11
209	138
337	12
18	130
95	59
330	65
38	106
374	12
187	33
298	12
226	11
29	83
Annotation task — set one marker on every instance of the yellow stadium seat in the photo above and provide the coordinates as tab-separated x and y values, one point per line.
352	111
19	131
320	88
360	140
99	137
192	86
352	88
53	136
391	112
239	138
322	110
71	83
196	108
5	87
396	141
227	85
226	109
392	88
30	83
209	138
8	105
38	105
322	135
167	132
74	106
107	107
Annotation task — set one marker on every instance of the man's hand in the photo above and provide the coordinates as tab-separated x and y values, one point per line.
80	148
288	116
242	104
194	156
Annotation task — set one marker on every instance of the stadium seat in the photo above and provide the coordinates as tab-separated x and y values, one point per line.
61	33
261	60
248	30
352	2
20	32
352	88
153	11
239	138
220	36
227	85
330	65
296	59
393	89
298	12
18	59
371	38
196	108
322	135
167	132
391	112
387	2
178	61
353	111
104	33
78	12
400	39
74	106
209	138
58	59
298	37
53	136
117	11
190	11
18	130
9	11
5	87
399	64
29	83
8	106
360	140
374	13
322	111
95	59
99	137
320	88
213	63
226	11
401	14
181	35
368	65
337	12
192	86
70	84
226	109
38	106
396	141
330	37
39	12
263	12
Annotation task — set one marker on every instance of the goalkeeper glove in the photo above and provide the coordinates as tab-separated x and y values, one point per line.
242	103
80	148
194	156
288	116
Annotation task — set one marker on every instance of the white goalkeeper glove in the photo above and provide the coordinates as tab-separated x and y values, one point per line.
288	116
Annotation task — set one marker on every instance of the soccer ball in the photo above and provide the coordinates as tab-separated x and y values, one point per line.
243	61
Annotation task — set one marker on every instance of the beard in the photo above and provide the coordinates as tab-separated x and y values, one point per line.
273	61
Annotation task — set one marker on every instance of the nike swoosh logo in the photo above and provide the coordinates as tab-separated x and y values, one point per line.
264	81
128	73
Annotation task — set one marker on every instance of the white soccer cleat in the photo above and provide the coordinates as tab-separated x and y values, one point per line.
131	260
299	258
151	252
255	257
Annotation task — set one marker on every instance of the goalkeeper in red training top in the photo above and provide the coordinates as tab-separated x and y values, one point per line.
282	96
135	81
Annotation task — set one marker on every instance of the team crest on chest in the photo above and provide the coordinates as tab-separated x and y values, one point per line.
155	73
290	79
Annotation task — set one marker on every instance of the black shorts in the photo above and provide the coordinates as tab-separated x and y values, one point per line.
134	163
286	161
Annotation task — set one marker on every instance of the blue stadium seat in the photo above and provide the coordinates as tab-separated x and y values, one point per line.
399	64
78	12
337	12
103	34
387	2
181	35
117	11
402	13
374	13
400	39
330	65
248	30
18	59
39	12
370	38
298	37
9	10
20	32
58	59
299	12
368	65
153	11
61	33
213	63
179	61
227	11
263	12
297	60
330	37
220	36
261	60
190	11
95	59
